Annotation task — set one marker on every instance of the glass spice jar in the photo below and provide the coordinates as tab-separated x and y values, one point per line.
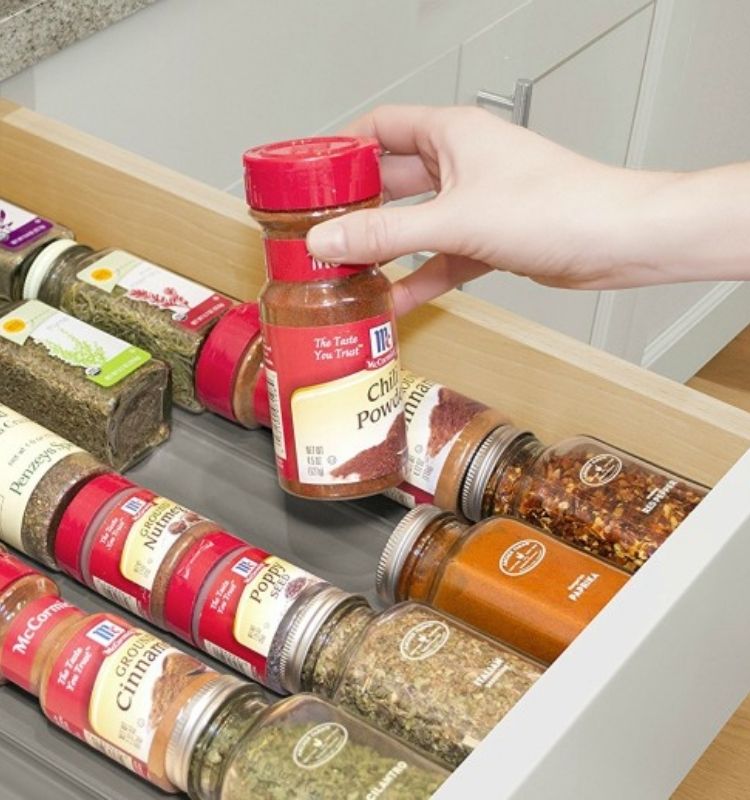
32	617
510	580
105	395
228	367
146	305
412	670
22	234
329	331
125	542
40	472
599	498
236	745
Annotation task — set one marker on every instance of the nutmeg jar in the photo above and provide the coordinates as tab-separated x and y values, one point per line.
589	493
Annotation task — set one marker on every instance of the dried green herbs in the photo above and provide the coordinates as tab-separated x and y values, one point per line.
104	395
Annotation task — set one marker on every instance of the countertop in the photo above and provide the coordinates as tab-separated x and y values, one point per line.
31	30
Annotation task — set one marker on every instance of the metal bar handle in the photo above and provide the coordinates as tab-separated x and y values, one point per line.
519	103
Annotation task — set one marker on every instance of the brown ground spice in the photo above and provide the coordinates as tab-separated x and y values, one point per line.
452	413
382	459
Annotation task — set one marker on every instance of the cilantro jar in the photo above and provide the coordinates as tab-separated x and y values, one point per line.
593	495
329	332
144	304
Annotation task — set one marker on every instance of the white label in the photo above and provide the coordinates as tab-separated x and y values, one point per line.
12	217
109	750
424	640
319	745
116	595
274	405
601	469
27	453
522	557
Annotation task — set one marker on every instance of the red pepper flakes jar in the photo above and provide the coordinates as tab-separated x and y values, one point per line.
227	372
329	331
124	541
32	617
593	495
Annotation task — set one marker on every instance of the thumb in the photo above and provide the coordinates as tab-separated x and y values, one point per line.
379	234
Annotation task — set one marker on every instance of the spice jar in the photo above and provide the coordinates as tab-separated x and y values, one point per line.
125	541
235	745
103	394
32	617
40	472
226	375
592	495
510	580
329	331
146	305
412	670
240	609
22	234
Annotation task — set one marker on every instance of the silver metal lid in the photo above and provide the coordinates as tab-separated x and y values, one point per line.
309	619
398	547
190	724
482	466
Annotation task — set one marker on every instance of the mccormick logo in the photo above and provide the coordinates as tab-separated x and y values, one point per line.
244	567
134	506
381	340
105	633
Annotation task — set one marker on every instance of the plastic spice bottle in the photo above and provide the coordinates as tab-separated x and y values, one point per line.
32	617
232	744
40	472
22	234
100	392
146	305
329	331
510	580
411	670
125	542
229	365
592	495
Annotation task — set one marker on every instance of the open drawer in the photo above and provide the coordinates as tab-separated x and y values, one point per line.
631	705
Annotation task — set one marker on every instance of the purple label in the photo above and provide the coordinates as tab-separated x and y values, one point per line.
26	233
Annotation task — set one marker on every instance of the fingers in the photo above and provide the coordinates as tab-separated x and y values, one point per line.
399	129
404	176
381	234
436	276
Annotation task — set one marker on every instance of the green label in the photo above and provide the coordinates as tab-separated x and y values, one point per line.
119	367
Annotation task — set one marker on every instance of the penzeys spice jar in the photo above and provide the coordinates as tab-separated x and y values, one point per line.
329	332
589	493
517	583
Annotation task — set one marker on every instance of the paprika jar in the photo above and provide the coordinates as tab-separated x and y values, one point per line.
599	498
412	670
32	617
22	234
142	303
238	745
329	331
500	575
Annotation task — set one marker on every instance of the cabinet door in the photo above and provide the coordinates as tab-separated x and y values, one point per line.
586	74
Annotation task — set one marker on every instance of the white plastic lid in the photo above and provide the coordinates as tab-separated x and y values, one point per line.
41	265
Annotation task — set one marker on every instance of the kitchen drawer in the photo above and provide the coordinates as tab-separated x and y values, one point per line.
631	705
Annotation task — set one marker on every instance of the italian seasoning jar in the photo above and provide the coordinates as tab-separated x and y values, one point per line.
510	580
232	744
32	617
412	670
100	392
144	304
40	473
594	496
22	234
329	331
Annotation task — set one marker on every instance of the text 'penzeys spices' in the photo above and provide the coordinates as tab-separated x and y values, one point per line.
330	350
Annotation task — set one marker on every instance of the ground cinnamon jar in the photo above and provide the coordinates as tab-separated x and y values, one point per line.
504	577
589	493
329	331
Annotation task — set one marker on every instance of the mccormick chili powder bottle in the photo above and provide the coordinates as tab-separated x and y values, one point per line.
329	331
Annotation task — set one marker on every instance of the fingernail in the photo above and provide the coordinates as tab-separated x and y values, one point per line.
327	241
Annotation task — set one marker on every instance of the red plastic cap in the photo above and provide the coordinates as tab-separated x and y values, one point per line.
12	569
304	174
78	516
221	356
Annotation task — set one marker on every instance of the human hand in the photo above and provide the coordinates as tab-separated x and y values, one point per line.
506	198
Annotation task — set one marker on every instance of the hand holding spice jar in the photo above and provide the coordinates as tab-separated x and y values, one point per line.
506	578
329	332
592	495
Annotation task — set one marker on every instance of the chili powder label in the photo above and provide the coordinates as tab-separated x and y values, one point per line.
19	227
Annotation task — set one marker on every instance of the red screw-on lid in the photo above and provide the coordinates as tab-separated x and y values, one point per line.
12	569
303	174
78	516
221	355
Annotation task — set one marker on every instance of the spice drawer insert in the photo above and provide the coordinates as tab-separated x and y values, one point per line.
631	705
